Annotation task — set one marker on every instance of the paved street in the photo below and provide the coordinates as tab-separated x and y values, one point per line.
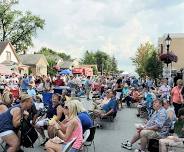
110	137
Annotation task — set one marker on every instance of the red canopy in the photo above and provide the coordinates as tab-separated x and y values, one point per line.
77	71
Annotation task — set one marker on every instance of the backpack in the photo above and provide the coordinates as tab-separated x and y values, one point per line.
28	134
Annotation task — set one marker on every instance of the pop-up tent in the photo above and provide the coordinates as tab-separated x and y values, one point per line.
65	72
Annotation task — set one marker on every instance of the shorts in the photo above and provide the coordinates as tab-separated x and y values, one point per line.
150	134
71	150
6	133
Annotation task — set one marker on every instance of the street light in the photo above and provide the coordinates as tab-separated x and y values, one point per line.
168	42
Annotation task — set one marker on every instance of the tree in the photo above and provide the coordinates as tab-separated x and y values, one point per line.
95	71
114	65
89	58
64	56
104	62
153	66
141	57
53	55
17	27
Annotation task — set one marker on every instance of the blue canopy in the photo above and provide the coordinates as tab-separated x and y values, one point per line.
65	72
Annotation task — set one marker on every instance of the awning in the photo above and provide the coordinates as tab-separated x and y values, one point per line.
22	67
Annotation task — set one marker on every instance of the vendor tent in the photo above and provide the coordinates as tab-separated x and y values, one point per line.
65	72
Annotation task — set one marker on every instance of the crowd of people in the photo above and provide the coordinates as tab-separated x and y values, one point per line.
60	118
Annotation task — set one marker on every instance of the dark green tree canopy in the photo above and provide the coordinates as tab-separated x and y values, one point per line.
18	27
105	63
147	61
52	54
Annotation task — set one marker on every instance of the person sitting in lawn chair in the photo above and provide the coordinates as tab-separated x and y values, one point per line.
109	108
98	104
157	126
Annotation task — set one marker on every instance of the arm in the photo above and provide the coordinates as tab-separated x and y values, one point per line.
59	112
16	117
63	126
69	130
154	128
170	114
108	113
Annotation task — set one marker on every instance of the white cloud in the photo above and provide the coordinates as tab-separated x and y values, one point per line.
115	26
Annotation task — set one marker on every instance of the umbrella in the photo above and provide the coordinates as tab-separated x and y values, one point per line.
66	72
4	70
124	74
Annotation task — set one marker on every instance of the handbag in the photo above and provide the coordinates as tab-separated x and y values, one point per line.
28	133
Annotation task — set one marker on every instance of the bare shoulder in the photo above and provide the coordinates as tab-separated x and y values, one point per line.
15	111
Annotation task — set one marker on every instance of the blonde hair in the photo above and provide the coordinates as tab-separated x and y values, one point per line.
72	109
79	105
179	81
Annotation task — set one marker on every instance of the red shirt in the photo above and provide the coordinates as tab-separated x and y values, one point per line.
59	82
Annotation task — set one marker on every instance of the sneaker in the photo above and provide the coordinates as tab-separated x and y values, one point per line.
138	115
127	145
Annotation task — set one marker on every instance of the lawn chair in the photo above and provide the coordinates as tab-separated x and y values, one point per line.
68	146
85	137
47	98
90	139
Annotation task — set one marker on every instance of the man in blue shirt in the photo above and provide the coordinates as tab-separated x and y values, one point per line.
109	108
24	83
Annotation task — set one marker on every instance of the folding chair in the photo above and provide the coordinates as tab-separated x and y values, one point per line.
68	146
47	98
85	137
90	139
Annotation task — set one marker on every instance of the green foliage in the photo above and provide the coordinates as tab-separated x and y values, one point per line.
95	71
147	62
104	62
64	56
51	70
53	55
18	27
153	66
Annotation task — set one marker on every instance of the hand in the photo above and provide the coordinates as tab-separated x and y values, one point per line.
25	114
102	115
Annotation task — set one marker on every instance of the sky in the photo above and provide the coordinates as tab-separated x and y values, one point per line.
117	27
